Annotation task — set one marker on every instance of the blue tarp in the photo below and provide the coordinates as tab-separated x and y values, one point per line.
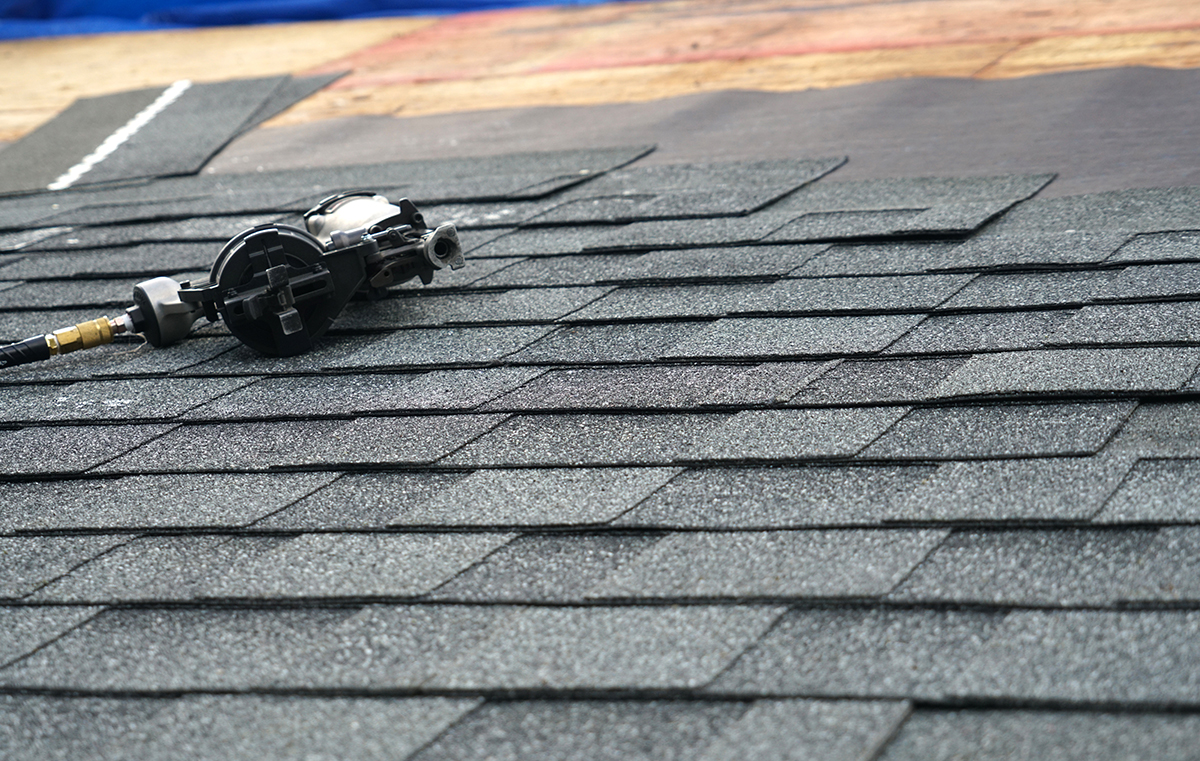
44	18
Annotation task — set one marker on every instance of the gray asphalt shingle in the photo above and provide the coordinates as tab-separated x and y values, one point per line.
1028	489
1001	430
1048	568
1070	736
779	497
795	336
1071	371
537	497
879	652
798	434
546	568
186	501
622	536
779	564
30	627
1156	490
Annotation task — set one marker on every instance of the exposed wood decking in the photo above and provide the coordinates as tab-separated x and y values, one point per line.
610	53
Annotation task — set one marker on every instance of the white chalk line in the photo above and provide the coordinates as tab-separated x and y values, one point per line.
118	138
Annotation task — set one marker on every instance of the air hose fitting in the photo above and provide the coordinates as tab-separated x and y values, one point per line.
85	335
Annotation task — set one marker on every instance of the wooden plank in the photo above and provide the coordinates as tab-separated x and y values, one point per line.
1179	49
41	77
616	52
628	84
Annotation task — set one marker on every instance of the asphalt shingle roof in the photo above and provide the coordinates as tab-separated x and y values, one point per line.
709	461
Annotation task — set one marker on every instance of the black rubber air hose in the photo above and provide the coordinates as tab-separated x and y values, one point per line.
23	352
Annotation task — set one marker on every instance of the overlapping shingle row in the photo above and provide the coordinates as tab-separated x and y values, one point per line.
709	461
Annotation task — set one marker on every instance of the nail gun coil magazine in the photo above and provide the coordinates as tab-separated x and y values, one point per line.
278	287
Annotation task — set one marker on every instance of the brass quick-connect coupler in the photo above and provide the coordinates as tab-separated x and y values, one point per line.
85	335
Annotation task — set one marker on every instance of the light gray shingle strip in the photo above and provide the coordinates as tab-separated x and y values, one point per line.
36	727
158	568
798	434
134	502
965	333
601	647
770	383
791	497
874	381
536	497
361	501
248	447
787	174
1156	491
660	205
242	360
403	440
899	293
122	360
122	264
687	233
1161	430
454	280
1170	572
1027	489
601	730
30	239
641	342
543	271
667	387
215	230
434	309
278	727
1102	656
141	399
844	225
1002	430
1138	210
1159	247
68	294
890	653
1036	249
1125	324
26	628
439	347
590	439
1024	290
540	568
711	263
1031	568
893	258
355	565
659	302
793	730
72	448
1066	735
44	728
542	241
401	646
1071	371
180	649
954	218
476	216
795	336
912	192
850	563
308	396
1155	282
